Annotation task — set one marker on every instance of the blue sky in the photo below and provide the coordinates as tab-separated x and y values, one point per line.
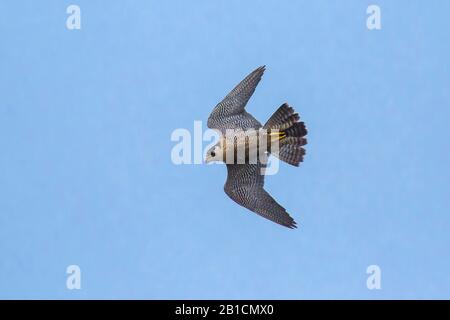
86	176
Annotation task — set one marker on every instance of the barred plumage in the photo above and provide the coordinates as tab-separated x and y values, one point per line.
245	182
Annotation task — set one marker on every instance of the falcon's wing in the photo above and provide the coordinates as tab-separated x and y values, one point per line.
230	112
245	185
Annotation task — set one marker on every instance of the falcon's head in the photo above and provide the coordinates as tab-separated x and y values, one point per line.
215	153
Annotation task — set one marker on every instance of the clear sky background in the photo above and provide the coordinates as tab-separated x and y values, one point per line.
86	176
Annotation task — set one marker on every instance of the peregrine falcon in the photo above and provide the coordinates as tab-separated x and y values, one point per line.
245	180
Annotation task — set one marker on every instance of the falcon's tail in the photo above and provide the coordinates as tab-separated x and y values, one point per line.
292	134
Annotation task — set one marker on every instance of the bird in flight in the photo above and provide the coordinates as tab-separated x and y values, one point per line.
283	136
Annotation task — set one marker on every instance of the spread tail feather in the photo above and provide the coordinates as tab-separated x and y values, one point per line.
292	134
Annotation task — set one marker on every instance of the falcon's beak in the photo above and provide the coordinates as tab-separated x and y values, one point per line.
208	158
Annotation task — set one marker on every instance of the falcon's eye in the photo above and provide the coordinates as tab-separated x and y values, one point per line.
213	154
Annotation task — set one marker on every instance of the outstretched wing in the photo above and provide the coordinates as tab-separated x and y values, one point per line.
245	185
230	112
